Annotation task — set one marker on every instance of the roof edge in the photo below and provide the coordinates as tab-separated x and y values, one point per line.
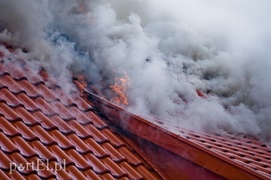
170	141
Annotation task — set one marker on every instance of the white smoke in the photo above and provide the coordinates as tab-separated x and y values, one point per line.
169	49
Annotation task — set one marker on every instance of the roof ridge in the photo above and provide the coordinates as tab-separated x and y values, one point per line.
172	141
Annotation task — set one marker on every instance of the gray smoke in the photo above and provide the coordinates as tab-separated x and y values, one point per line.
169	49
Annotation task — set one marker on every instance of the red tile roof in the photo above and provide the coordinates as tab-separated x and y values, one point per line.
230	157
40	123
57	132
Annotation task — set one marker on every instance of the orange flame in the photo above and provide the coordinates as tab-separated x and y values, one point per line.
120	90
82	83
81	78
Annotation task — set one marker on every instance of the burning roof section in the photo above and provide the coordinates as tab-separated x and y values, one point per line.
228	156
46	133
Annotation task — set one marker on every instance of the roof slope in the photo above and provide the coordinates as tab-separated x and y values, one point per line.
59	133
64	136
230	157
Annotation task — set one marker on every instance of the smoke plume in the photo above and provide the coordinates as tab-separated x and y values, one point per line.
168	49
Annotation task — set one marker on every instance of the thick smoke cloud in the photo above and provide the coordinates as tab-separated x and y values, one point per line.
169	49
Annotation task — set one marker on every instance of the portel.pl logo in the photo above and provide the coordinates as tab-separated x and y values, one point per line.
37	165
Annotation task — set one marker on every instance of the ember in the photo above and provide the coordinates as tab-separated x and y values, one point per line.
120	90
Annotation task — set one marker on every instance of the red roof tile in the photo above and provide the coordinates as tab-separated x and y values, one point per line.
228	156
40	123
63	135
